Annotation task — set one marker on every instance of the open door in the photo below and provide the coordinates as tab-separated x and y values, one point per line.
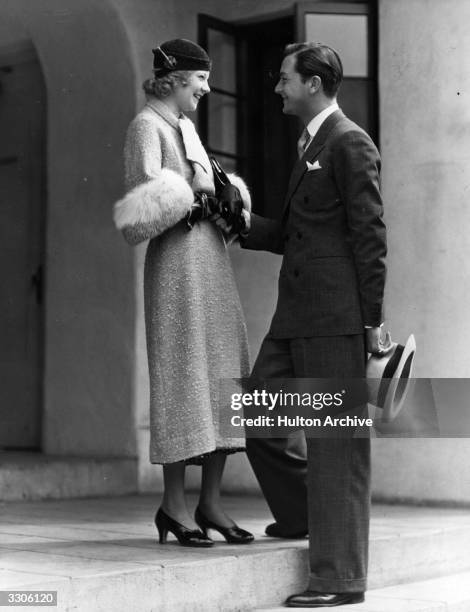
241	121
351	29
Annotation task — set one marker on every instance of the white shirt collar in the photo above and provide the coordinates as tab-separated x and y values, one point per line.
317	121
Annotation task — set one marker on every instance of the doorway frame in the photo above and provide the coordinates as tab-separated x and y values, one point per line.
13	55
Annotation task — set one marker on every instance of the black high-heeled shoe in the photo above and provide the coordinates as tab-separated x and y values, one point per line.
185	536
233	535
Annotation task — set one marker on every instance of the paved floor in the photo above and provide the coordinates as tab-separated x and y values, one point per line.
45	542
87	534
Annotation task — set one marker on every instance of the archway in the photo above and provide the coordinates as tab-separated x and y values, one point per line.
88	292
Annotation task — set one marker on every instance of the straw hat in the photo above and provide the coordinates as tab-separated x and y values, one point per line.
388	378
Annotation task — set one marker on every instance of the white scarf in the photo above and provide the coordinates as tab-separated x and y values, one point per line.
195	152
203	179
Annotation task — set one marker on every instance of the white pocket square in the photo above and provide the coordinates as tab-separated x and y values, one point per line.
314	166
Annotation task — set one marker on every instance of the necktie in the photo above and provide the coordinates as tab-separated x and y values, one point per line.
303	142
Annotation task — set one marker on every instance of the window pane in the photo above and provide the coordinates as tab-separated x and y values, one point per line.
347	34
222	53
222	123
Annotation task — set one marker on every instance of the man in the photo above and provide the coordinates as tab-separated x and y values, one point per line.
329	312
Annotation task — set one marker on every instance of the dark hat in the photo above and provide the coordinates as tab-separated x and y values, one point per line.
179	54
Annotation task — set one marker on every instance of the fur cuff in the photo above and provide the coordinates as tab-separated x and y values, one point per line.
241	185
160	202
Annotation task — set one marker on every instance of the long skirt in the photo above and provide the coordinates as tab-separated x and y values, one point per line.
196	336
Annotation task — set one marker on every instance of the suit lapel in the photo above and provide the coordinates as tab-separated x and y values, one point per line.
310	154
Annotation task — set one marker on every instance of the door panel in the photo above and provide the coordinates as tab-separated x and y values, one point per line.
222	111
219	113
22	152
222	45
270	136
356	100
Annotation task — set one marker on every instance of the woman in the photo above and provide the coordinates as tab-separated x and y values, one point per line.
194	322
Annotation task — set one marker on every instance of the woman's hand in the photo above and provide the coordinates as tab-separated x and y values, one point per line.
202	208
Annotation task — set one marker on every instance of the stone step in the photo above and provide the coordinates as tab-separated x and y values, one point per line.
34	476
445	594
102	554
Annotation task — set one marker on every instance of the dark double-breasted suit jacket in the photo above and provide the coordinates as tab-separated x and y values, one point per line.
332	237
331	285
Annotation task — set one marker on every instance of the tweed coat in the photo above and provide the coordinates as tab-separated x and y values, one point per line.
332	237
194	322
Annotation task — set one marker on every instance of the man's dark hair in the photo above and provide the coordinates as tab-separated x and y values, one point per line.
317	59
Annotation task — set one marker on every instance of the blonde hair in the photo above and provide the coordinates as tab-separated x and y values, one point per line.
162	86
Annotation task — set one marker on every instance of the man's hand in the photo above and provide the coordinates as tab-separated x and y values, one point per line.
375	342
247	216
227	229
221	222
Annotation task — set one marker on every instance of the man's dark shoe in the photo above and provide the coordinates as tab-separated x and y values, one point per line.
314	599
275	531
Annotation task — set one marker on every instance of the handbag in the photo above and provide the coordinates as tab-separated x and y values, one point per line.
230	204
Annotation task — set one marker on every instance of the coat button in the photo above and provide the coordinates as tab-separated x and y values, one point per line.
296	273
299	235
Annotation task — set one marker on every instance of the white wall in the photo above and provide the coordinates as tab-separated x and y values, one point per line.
425	136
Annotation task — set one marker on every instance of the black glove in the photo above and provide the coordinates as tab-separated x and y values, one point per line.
204	206
230	199
231	206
